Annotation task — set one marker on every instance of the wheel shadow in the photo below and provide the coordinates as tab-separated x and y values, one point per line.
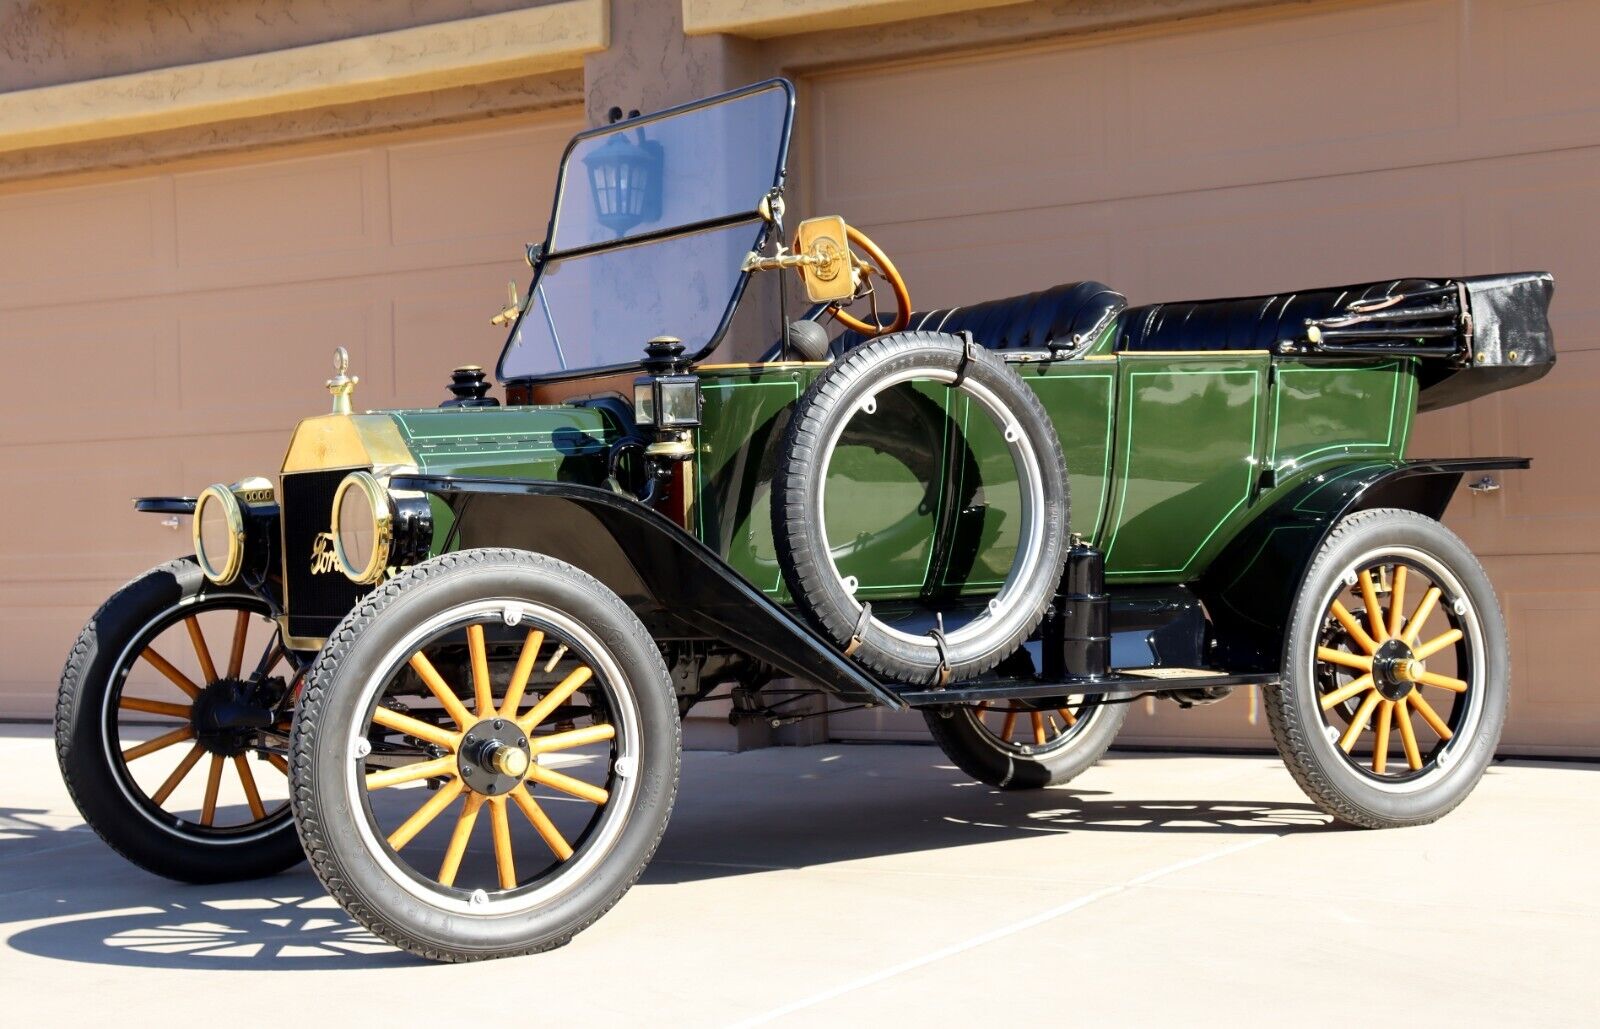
65	895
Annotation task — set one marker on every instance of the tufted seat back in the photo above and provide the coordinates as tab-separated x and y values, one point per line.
1243	323
1062	317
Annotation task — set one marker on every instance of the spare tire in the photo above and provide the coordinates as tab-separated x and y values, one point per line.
850	386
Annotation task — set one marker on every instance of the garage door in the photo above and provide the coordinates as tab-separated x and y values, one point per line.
1269	153
161	330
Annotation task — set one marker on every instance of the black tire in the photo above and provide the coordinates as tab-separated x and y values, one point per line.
86	720
800	534
976	748
409	907
1355	790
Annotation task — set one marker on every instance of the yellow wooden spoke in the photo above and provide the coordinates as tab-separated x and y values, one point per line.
425	814
386	777
574	738
458	839
504	861
276	761
541	823
554	699
159	743
1070	718
248	781
154	707
184	767
198	638
1359	722
1353	627
168	669
1397	600
1007	725
1444	682
441	689
1420	616
1038	728
1380	744
519	677
482	688
415	727
1345	692
1345	658
241	629
1430	716
1369	597
567	784
1408	737
213	782
1423	651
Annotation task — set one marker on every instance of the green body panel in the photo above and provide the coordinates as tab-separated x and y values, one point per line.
1169	457
560	443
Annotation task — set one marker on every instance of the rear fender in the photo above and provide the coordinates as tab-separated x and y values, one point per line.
1251	586
678	587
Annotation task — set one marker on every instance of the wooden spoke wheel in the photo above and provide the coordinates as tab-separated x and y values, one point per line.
1396	678
173	726
1391	640
485	755
1016	746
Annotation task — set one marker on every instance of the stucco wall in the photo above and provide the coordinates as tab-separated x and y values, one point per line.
46	42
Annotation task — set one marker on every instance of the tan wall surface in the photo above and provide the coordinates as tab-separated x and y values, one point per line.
165	329
1280	151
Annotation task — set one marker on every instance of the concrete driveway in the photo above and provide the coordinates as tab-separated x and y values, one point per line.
873	885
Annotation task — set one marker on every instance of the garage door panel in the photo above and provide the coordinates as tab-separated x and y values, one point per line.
1333	83
251	360
1552	606
78	239
296	208
1543	214
1555	505
114	361
441	321
1535	57
481	186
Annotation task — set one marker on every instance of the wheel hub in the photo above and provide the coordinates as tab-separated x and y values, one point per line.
227	714
494	756
1395	669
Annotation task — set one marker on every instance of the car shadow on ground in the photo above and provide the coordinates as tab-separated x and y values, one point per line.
94	907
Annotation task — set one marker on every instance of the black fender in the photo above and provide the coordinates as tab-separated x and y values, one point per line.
679	587
1251	586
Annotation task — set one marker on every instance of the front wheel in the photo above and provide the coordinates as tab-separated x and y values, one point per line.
1397	675
485	755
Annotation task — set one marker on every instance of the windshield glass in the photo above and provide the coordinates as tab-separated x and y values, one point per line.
653	217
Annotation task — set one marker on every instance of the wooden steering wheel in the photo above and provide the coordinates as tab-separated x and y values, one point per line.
878	263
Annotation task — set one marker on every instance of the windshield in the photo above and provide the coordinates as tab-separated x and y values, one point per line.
652	218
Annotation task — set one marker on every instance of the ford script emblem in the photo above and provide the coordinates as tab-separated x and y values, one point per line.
323	559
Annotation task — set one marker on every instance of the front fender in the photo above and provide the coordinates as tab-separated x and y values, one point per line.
1251	586
679	587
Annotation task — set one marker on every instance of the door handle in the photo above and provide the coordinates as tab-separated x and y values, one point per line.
1487	484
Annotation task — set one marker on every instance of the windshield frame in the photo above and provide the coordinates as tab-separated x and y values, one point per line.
545	254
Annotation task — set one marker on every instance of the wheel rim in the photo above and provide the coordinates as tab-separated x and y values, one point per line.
170	721
562	733
1398	670
1033	731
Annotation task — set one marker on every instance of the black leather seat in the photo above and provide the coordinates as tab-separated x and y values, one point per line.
1062	317
1243	323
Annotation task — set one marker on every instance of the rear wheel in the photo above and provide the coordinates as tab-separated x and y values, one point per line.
1016	746
171	726
1397	672
485	756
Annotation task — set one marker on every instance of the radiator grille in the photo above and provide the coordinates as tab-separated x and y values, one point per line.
315	600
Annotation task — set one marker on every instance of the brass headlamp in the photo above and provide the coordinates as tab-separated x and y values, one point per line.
362	527
218	530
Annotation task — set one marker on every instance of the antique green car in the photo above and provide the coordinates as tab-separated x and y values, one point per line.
497	611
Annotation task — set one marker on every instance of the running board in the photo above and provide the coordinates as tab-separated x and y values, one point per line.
1121	683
